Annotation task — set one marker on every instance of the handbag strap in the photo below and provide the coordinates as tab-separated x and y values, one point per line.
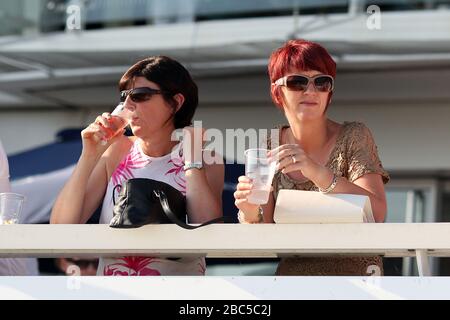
172	217
114	193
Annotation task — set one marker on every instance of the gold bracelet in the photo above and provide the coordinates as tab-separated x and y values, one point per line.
331	186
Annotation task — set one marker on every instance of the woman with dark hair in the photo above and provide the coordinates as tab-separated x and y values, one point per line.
316	153
161	97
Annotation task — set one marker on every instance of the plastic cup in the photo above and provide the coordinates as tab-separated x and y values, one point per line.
10	207
121	117
261	171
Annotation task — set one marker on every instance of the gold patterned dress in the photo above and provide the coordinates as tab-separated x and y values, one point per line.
354	155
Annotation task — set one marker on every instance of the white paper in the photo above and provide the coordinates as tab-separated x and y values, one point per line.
296	206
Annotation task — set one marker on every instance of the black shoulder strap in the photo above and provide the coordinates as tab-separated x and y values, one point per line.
114	193
166	208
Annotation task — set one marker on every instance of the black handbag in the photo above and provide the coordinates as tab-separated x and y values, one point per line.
145	201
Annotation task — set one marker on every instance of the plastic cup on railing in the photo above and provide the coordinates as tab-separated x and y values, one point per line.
120	118
261	171
10	207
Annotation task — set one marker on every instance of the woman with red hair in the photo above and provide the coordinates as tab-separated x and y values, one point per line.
316	153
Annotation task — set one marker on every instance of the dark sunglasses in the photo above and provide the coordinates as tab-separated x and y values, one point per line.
139	94
297	82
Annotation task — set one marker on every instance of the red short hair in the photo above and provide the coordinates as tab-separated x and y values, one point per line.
302	55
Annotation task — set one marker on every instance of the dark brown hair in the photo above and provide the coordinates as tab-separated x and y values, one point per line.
172	78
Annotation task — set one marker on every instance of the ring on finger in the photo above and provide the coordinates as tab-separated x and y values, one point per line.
293	159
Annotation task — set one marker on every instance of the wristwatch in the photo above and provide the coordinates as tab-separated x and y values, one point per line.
193	165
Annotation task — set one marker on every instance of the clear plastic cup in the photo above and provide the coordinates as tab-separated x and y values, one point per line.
121	117
10	207
261	171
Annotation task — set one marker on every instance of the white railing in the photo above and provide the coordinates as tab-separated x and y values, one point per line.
231	240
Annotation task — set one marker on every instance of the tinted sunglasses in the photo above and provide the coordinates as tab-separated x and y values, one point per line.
297	82
139	94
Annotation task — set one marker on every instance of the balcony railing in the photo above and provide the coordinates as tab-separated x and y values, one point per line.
419	240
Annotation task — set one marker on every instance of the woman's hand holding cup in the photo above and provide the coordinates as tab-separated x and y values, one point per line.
99	135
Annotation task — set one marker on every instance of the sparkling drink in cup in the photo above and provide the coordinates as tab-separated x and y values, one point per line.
261	171
10	207
120	118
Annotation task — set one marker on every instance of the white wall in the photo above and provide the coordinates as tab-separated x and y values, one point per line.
21	131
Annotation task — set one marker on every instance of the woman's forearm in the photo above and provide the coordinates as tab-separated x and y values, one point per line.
325	177
202	203
68	206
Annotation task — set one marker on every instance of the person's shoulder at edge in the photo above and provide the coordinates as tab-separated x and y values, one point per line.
5	185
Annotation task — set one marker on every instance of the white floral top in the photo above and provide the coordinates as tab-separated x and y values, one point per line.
168	169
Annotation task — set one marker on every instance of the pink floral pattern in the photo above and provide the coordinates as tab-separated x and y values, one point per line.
134	160
178	172
168	169
132	266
